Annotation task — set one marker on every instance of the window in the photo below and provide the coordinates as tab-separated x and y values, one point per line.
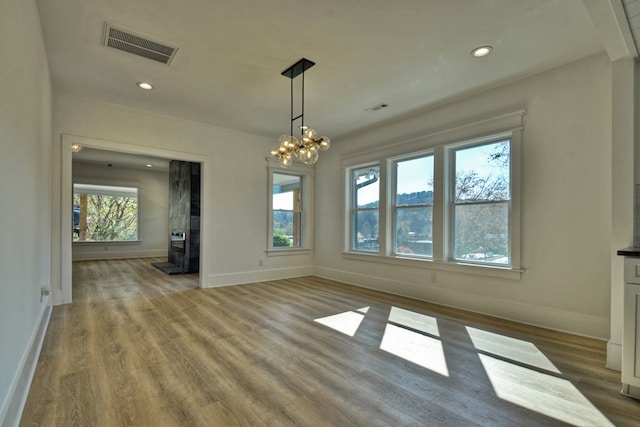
290	223
365	213
413	208
105	213
480	203
446	201
287	210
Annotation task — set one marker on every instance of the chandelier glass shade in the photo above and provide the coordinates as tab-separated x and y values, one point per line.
306	148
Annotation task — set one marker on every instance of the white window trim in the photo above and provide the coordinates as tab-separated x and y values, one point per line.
349	201
508	125
449	195
306	235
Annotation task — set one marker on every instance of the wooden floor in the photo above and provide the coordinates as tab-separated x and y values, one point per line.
141	348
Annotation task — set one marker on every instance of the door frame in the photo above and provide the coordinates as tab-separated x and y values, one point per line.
66	226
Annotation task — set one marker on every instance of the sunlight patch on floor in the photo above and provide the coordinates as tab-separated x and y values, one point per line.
511	348
542	393
346	323
414	347
413	320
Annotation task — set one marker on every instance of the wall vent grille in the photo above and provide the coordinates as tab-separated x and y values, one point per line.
124	40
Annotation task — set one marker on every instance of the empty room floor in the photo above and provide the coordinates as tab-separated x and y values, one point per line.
138	347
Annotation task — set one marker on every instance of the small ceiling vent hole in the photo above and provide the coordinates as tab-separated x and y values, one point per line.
377	107
120	39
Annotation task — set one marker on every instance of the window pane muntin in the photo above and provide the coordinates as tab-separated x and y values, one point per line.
482	172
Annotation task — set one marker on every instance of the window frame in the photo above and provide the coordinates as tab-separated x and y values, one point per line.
98	183
394	205
306	205
294	212
354	209
507	126
452	203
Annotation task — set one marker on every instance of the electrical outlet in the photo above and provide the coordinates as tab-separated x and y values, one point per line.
260	262
44	291
434	277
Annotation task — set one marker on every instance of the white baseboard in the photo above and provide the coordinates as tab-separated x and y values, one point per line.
13	406
614	356
563	321
227	279
56	295
118	254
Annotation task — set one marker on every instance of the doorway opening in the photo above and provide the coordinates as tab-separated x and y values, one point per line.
133	153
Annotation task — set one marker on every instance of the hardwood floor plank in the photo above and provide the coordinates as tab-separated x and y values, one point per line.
80	402
142	348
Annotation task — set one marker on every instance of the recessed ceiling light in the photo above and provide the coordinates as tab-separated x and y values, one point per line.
481	51
149	165
144	85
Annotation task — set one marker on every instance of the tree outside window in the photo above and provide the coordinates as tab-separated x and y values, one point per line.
105	213
481	203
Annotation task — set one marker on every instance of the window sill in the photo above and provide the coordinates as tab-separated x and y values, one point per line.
453	267
288	251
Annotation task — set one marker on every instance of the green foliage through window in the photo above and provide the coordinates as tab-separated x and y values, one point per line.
280	239
105	213
286	201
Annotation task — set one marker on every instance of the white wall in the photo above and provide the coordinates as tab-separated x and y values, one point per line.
566	203
236	185
153	211
623	113
25	135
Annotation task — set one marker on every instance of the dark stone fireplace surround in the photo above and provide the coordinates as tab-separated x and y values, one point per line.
184	218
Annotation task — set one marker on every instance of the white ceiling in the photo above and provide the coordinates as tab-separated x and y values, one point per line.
410	54
109	159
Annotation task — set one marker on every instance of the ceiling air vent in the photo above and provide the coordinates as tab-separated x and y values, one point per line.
118	38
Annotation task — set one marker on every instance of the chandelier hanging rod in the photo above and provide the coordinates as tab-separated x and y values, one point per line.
306	149
292	72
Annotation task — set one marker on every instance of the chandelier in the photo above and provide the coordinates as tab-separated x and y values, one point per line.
307	148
